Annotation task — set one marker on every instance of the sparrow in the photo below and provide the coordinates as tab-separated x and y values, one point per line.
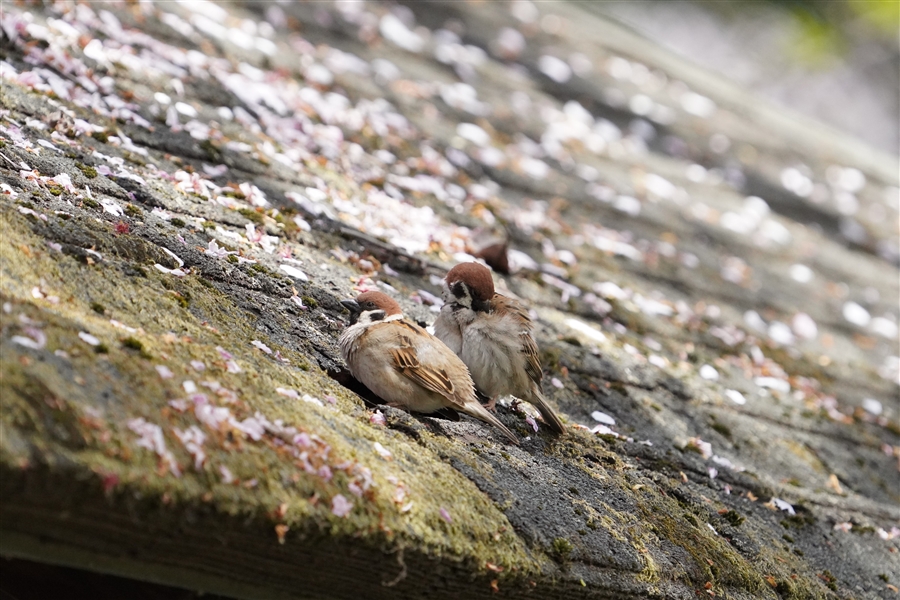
404	364
492	334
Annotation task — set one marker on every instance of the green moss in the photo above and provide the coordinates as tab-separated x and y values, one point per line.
785	589
884	577
480	533
829	579
133	211
136	344
55	190
134	158
561	548
177	222
183	300
714	558
87	170
90	203
98	308
133	343
100	136
101	348
609	438
550	357
787	538
721	428
232	259
208	224
734	517
798	521
212	151
310	301
249	213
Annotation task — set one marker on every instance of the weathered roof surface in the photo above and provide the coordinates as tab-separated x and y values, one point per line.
188	190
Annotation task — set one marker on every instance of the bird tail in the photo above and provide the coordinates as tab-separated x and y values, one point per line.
476	410
550	417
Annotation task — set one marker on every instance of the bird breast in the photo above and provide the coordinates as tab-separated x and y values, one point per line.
492	350
366	349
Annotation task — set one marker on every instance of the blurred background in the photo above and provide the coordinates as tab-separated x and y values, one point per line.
835	60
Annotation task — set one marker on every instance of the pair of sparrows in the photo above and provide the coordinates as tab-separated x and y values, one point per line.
483	340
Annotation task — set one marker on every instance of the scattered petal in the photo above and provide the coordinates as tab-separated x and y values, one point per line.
340	506
709	372
383	452
784	506
262	346
705	448
294	272
88	338
602	418
736	397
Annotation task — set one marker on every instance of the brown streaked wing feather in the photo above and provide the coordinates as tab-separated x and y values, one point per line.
406	361
532	359
529	345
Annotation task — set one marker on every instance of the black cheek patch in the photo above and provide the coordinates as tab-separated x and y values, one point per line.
378	315
458	290
481	305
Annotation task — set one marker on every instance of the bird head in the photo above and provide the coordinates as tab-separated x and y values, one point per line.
370	307
470	285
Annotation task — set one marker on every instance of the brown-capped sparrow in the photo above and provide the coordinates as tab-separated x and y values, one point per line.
404	364
492	334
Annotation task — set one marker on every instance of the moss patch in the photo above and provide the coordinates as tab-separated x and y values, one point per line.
87	423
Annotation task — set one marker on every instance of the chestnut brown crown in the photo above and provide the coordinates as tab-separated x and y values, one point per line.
378	301
476	277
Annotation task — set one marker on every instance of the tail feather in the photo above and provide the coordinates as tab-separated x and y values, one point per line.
474	409
550	417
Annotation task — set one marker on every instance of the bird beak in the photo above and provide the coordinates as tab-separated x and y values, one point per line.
352	306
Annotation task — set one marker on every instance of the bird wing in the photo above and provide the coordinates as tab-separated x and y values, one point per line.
405	358
528	346
532	359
